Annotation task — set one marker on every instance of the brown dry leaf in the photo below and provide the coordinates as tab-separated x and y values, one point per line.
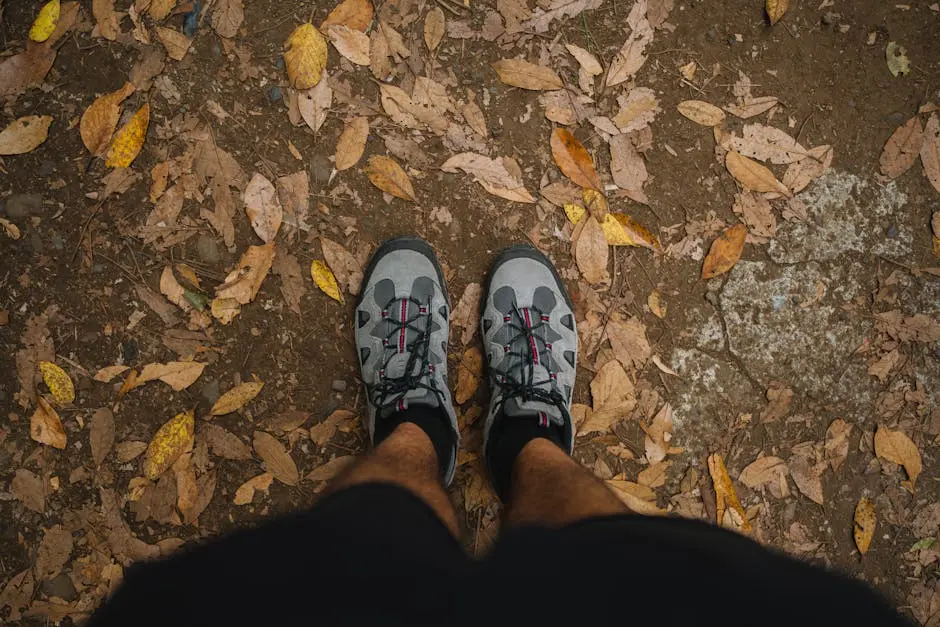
263	207
632	54
245	493
585	59
749	107
467	312
764	470
434	26
100	119
638	109
627	168
725	251
612	393
837	443
276	459
865	522
305	56
45	426
775	9
179	375
500	177
17	594
322	433
108	22
766	143
729	512
356	14
930	153
26	69
803	172
469	373
236	398
658	436
171	440
101	434
227	17
224	443
175	43
289	270
654	475
756	213
474	118
294	192
129	139
54	551
345	267
519	73
701	112
655	302
314	103
573	160
388	176
902	148
159	9
29	490
24	134
126	451
807	477
896	447
591	252
628	341
350	43
242	284
352	143
639	499
752	175
330	469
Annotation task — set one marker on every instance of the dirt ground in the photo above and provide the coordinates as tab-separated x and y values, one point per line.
825	331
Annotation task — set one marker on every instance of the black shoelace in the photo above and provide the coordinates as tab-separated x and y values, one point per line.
526	387
392	390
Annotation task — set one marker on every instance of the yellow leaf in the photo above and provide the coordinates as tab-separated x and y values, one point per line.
595	202
101	118
45	22
752	175
388	176
45	426
305	56
701	112
58	382
622	230
225	309
236	398
776	9
129	140
173	439
726	496
573	160
725	251
325	280
865	522
896	447
574	212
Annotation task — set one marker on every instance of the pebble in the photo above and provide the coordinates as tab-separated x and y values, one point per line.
321	168
129	351
23	205
339	385
274	94
60	586
207	249
210	391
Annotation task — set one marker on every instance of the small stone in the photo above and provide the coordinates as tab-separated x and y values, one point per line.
339	385
274	94
207	249
60	586
129	351
210	392
23	205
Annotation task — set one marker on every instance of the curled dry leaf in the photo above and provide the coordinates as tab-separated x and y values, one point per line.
236	398
345	267
639	499
263	207
245	493
24	134
434	25
324	279
864	524
763	471
242	284
100	119
725	251
101	434
129	140
896	447
728	508
469	373
591	252
45	426
305	56
752	175
775	9
573	159
519	73
902	148
173	439
58	382
352	143
701	112
322	433
356	14
930	154
385	173
658	436
227	17
351	43
632	54
176	43
837	443
179	375
277	460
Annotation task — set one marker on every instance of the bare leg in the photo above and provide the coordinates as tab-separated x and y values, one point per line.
405	458
550	488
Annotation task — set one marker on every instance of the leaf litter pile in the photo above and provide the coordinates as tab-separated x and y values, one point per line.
185	232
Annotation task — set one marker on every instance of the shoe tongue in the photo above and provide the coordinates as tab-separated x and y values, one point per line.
412	398
515	407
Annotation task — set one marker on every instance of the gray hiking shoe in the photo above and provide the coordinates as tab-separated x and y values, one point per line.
530	342
401	326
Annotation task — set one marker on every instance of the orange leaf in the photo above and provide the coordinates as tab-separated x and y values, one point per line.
389	177
865	522
573	160
725	251
726	498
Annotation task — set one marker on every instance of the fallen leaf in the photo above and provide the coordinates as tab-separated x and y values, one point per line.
434	25
627	168
573	160
902	148
585	59
749	107
473	116
356	14
245	493
263	207
766	143
469	373
467	312
108	22
29	490
330	469
807	477
701	112
628	341
613	398
45	22
803	172
775	9
655	302
242	284
325	280
276	459
639	499
896	447
654	475
24	134
519	73
129	140
756	213
350	43
322	433
837	443
176	43
224	443
12	231
632	54
729	512
591	252
388	176
896	56
170	441
779	397
179	375
752	175
345	267
352	143
126	451
865	522
725	251
658	436
930	154
501	177
54	551
305	56
764	470
100	119
289	270
26	69
314	103
58	382
160	9
101	434
638	109
236	398
294	192
227	17
45	426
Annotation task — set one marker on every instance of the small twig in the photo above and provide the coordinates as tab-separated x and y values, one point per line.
81	234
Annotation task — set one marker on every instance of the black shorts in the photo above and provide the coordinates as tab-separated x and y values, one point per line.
376	554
